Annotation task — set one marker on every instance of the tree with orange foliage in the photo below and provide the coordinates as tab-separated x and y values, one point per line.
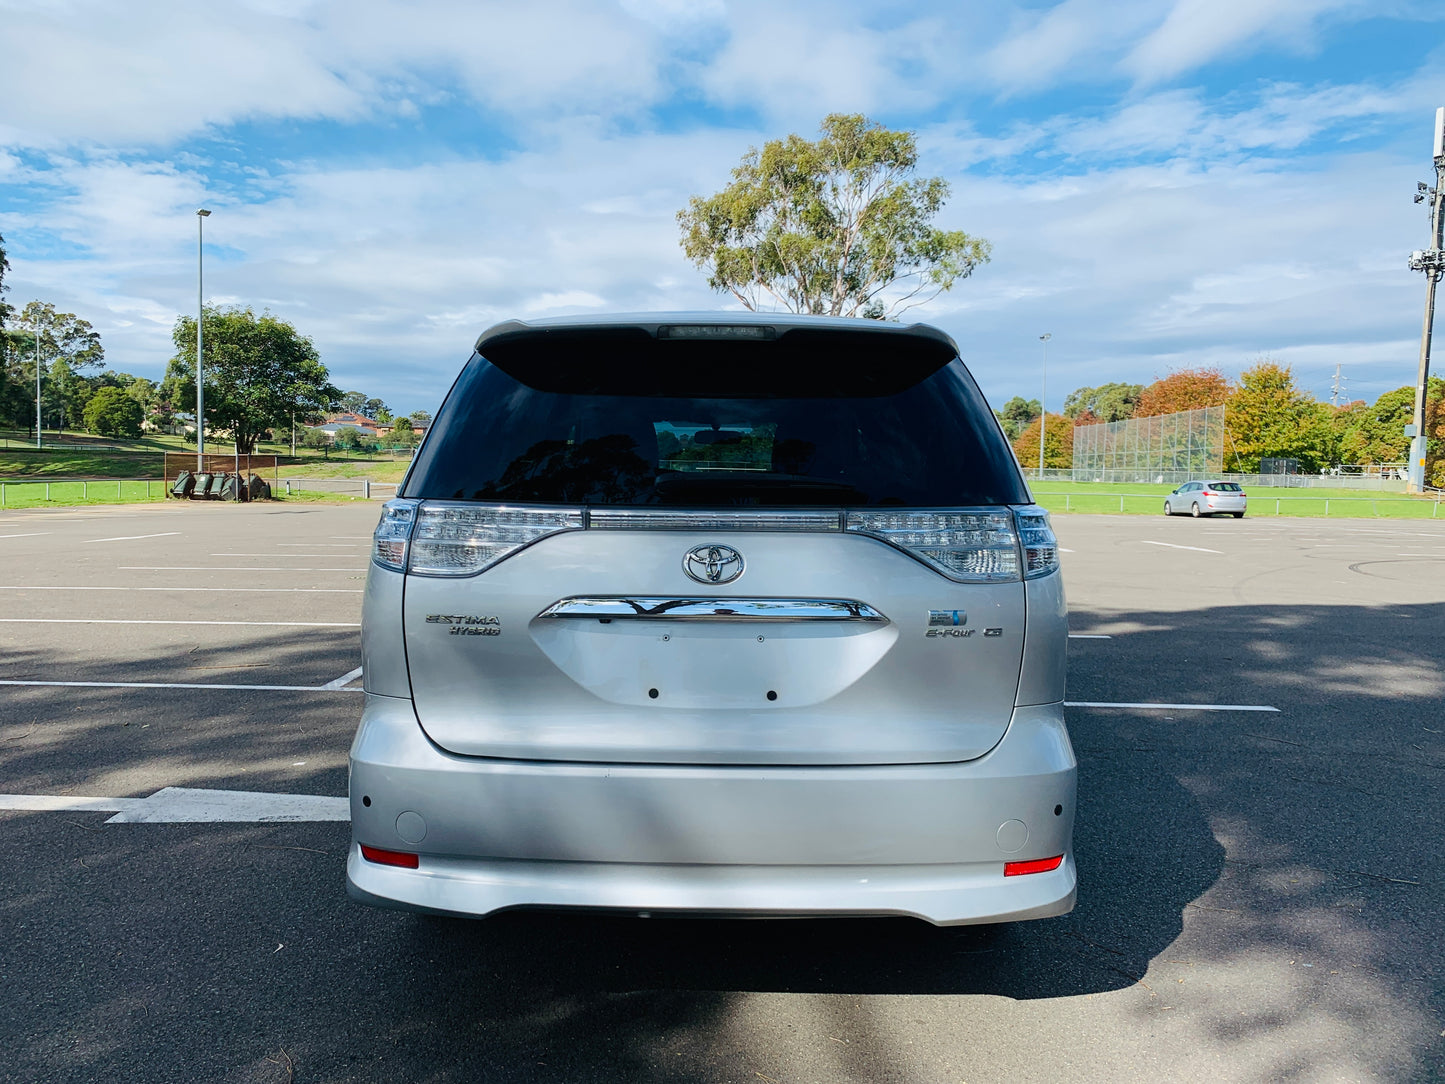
1058	443
1184	389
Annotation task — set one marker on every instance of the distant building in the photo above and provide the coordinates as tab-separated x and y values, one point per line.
336	422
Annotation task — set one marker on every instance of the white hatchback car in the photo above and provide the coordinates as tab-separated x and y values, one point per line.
715	613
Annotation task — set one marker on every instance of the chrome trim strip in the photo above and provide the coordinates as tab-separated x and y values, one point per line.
623	519
715	609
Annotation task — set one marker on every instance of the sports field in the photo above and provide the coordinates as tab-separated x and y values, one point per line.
1148	499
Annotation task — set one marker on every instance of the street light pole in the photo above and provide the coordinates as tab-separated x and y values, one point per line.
1432	262
1044	400
37	384
201	217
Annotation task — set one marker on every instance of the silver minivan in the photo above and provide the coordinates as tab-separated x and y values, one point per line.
715	613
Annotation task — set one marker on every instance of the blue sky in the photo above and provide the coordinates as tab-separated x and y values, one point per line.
1166	183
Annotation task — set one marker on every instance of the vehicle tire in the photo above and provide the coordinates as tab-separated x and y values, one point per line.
1168	510
1237	515
1194	510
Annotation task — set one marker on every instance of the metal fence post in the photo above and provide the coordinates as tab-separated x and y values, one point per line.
1327	507
47	491
84	490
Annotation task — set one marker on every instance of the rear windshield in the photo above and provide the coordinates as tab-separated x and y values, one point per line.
1225	487
718	424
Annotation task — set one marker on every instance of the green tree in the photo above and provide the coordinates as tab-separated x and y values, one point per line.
68	345
1016	414
420	418
317	440
5	309
1058	443
349	438
1376	434
259	371
1106	403
113	413
838	226
402	431
1268	416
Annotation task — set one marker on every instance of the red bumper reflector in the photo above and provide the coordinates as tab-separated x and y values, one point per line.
1036	865
390	858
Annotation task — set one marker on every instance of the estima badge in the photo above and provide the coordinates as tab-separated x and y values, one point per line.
713	563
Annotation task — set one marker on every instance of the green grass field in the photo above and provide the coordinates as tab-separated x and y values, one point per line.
1148	499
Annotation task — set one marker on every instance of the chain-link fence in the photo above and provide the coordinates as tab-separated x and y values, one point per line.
1142	449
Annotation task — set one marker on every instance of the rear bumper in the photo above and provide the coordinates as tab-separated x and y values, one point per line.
920	840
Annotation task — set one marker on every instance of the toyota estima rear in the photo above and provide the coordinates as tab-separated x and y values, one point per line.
715	614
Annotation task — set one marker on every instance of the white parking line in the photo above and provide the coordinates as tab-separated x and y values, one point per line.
28	534
132	537
227	590
344	680
187	805
228	568
62	803
172	685
305	545
286	555
137	621
1173	546
1170	707
1089	636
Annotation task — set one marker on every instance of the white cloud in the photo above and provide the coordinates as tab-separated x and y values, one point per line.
1198	31
1065	38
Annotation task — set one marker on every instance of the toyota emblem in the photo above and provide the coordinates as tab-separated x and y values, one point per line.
713	564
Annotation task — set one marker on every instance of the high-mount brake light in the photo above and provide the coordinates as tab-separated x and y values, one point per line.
969	547
464	539
733	332
393	532
1040	546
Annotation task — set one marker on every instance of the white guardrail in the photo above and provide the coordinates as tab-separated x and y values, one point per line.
1254	503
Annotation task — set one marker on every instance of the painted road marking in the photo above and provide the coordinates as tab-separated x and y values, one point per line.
227	568
1172	546
30	534
60	803
344	680
135	621
187	805
172	685
304	545
275	556
1089	636
1170	707
227	590
132	537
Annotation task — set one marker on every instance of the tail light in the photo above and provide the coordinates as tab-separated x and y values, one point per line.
970	547
1040	546
461	539
437	538
389	542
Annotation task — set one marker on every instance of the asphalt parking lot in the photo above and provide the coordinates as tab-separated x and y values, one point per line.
1261	891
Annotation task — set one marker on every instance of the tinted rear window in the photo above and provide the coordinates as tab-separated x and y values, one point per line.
829	421
1226	487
